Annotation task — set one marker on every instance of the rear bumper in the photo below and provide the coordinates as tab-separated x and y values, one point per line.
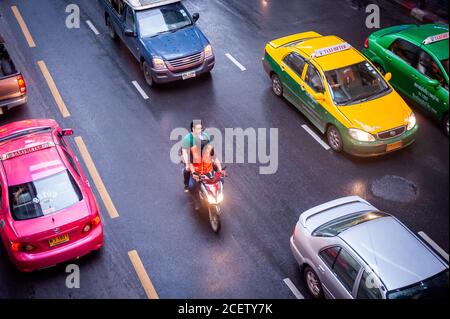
369	149
28	262
297	255
167	76
9	104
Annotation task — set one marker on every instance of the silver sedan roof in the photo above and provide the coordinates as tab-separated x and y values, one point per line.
398	257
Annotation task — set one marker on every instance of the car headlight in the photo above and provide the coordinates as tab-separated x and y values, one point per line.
208	51
360	135
412	121
159	64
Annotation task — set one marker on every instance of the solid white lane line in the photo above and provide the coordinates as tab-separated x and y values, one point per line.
294	289
140	90
317	138
434	245
236	62
92	27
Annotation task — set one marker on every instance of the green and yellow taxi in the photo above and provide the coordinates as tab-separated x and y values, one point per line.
417	57
341	93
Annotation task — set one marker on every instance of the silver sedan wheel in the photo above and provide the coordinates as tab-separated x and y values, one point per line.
313	284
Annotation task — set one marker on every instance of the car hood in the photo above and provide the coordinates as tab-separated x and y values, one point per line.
178	44
378	115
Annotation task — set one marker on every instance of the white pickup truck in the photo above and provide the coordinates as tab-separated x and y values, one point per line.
13	90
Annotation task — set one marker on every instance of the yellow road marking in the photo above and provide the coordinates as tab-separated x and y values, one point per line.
142	274
51	84
96	178
23	26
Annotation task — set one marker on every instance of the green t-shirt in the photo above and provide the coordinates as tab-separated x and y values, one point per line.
189	141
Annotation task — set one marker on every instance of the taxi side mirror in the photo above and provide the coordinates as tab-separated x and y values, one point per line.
195	17
319	97
388	76
433	83
66	132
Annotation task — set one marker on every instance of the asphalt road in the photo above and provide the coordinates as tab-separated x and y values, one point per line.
128	139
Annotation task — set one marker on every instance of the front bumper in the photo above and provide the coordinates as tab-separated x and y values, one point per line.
379	147
28	262
167	76
10	103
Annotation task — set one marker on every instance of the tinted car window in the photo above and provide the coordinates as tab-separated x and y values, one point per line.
296	63
129	18
369	287
329	255
346	269
43	197
428	66
313	79
405	51
435	287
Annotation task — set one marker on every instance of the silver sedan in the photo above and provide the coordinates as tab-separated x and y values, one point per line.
349	249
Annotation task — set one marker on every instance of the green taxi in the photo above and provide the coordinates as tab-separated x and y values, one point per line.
417	57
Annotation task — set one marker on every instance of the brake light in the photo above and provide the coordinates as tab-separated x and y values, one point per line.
22	84
94	222
366	43
22	247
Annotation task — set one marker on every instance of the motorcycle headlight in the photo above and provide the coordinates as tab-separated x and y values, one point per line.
211	199
220	198
360	135
208	51
159	64
412	121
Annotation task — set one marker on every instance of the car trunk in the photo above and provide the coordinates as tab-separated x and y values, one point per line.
39	231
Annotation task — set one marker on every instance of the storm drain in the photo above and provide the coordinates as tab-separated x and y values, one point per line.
395	188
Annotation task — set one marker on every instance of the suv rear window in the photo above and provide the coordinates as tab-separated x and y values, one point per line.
338	225
43	197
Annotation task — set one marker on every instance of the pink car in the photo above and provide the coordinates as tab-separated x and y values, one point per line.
48	213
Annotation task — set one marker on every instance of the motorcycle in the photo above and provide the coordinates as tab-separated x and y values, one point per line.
210	193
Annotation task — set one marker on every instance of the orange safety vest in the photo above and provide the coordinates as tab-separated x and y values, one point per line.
202	163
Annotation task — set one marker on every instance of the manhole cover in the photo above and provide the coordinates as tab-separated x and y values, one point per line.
395	188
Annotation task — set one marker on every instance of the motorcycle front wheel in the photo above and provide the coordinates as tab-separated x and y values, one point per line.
214	218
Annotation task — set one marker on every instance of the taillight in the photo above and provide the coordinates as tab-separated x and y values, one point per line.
94	222
22	84
22	247
366	43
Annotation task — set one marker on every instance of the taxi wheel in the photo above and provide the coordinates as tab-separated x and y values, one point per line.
313	283
445	124
148	74
277	86
334	138
111	31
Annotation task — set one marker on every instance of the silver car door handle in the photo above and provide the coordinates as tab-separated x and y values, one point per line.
321	269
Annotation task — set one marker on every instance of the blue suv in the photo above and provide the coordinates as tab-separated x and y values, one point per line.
163	37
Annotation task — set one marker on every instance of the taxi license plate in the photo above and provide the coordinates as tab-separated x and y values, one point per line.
394	146
58	240
188	75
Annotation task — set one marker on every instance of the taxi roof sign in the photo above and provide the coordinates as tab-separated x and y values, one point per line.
148	4
436	38
27	150
330	50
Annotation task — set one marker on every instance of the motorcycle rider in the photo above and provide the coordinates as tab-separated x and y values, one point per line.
199	161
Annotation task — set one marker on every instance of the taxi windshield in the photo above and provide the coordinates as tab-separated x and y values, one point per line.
169	18
355	84
43	197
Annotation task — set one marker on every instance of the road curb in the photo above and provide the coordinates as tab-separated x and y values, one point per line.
419	14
